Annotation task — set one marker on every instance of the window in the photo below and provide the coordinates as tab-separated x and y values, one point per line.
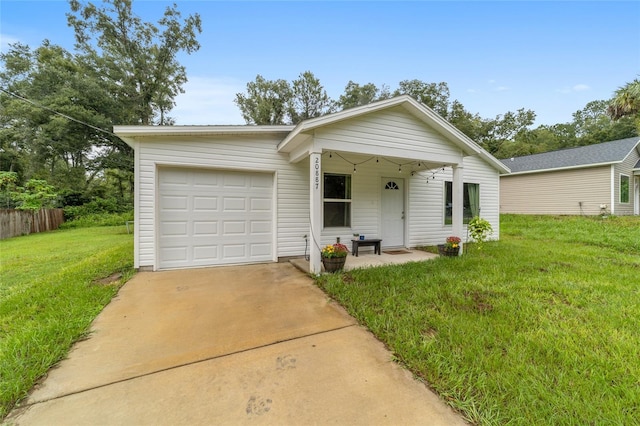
337	200
471	207
624	188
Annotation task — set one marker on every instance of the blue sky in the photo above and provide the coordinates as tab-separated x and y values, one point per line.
551	57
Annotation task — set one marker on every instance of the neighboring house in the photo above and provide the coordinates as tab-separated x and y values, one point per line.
588	180
216	195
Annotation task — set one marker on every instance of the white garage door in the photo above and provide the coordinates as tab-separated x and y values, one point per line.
214	217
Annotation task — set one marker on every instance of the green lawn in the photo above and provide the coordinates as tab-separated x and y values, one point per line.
49	294
542	327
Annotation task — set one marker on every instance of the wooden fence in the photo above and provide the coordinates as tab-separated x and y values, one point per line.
22	222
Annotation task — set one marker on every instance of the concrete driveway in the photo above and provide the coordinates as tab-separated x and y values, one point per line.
256	344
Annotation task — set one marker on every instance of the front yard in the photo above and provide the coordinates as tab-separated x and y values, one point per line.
538	328
52	285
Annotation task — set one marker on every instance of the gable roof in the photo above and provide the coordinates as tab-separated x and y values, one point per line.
583	156
300	133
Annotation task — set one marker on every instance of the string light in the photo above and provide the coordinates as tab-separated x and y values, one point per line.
354	168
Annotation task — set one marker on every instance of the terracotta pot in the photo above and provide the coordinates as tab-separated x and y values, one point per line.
333	264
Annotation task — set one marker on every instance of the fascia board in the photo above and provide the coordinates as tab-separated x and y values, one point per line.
557	169
138	131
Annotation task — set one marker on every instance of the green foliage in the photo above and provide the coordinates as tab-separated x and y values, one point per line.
546	317
37	194
265	102
356	95
88	220
48	298
8	183
479	229
272	102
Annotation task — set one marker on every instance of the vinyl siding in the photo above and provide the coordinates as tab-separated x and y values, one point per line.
557	192
393	129
626	168
229	153
427	201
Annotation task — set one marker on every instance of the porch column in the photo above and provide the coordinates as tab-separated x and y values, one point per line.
315	211
458	203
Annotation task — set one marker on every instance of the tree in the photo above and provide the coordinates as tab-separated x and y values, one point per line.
136	59
356	95
433	95
309	99
626	101
42	81
266	101
505	128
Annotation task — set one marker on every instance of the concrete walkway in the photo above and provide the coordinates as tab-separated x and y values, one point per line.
368	259
252	345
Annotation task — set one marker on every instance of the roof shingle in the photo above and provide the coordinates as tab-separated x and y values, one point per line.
602	153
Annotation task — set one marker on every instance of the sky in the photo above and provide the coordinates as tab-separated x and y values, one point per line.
552	57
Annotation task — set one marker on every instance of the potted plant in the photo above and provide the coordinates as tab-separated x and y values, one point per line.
334	257
451	247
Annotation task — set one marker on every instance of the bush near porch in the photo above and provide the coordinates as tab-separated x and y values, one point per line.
540	327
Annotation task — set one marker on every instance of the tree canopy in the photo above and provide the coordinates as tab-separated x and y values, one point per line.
505	135
58	107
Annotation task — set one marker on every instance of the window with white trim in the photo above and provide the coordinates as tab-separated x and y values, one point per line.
624	188
337	200
471	198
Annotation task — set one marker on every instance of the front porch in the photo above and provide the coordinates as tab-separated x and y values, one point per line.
367	259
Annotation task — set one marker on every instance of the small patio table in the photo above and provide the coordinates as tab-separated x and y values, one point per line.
375	242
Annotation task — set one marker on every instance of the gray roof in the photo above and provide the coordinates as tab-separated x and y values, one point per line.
602	153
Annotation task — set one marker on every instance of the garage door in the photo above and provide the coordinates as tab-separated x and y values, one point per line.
214	217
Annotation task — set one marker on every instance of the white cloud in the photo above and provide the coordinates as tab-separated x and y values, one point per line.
208	100
573	89
580	87
502	89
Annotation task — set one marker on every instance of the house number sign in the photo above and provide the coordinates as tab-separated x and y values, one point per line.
316	174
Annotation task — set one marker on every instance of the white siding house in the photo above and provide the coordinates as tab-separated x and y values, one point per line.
217	195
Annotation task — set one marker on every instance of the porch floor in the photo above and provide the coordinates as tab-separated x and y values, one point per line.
367	259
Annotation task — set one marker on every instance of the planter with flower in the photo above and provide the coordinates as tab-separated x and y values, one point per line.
451	247
334	256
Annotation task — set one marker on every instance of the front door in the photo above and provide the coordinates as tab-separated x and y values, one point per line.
392	206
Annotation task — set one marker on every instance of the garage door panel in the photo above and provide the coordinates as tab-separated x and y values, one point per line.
205	204
174	202
205	228
169	228
234	228
260	204
260	250
207	253
214	217
260	227
234	204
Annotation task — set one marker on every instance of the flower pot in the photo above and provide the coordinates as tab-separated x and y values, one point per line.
333	264
448	251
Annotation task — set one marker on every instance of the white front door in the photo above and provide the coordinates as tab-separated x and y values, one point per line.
392	206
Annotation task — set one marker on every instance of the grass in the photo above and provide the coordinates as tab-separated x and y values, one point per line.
540	327
49	294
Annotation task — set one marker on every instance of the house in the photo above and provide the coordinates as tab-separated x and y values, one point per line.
588	180
218	195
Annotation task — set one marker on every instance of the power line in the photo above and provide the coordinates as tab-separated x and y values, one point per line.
29	101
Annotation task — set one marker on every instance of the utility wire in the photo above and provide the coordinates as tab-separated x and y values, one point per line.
29	101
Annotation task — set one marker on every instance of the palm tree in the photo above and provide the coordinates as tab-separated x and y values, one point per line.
626	101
